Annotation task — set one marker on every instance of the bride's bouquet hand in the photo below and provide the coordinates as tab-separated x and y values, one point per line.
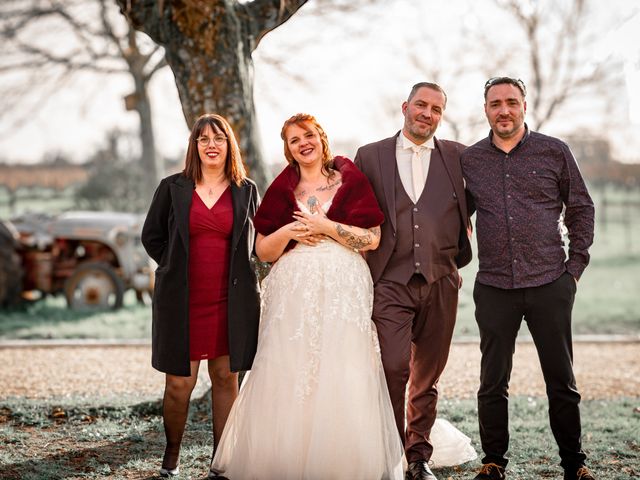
301	234
316	223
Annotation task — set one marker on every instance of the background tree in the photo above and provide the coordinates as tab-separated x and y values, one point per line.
555	36
208	46
542	41
90	37
333	46
114	178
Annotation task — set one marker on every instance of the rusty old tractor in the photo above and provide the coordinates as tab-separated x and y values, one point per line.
90	257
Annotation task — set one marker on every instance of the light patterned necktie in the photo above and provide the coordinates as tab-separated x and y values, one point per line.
417	176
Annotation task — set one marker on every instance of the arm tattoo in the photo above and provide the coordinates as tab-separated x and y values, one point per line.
375	231
357	242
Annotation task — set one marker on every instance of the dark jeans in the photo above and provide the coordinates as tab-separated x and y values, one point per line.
547	311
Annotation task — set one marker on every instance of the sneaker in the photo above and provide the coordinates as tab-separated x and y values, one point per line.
169	472
581	473
490	471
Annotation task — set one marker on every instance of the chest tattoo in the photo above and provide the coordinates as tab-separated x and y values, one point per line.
313	203
331	186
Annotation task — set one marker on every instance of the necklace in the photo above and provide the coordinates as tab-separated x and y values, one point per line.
212	189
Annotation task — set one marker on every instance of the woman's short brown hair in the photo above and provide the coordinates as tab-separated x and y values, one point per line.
234	169
305	121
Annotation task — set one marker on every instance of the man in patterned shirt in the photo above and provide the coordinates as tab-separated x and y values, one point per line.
527	191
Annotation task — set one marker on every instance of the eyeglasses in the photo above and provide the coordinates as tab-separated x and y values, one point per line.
217	140
508	80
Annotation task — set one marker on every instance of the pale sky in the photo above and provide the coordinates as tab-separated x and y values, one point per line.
356	78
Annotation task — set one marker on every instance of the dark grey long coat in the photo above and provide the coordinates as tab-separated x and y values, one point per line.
165	236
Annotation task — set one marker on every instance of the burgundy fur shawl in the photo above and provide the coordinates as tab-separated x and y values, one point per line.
353	204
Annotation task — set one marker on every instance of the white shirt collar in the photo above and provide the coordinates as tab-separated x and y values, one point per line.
408	144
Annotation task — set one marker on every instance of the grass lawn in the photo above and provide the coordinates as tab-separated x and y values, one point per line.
50	318
45	201
610	430
49	440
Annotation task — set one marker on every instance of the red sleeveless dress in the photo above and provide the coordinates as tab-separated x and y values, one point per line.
209	256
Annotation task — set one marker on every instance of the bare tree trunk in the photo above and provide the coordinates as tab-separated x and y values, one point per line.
150	160
208	47
219	78
139	101
149	164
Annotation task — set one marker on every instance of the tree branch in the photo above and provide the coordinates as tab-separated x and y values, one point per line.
158	66
145	15
262	16
17	97
26	65
108	29
83	32
67	60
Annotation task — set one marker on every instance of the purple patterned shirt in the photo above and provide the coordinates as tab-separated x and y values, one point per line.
518	198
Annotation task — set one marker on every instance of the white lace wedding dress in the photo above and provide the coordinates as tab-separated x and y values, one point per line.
315	404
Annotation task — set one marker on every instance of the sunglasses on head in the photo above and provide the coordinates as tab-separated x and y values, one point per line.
505	80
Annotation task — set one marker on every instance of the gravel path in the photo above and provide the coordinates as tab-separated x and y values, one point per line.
603	370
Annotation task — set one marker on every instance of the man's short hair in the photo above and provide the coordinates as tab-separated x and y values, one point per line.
431	85
516	82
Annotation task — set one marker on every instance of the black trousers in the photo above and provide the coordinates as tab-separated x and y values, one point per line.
547	311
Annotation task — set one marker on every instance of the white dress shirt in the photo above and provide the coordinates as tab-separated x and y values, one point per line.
405	157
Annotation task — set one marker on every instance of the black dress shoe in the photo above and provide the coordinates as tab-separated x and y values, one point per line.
213	475
419	471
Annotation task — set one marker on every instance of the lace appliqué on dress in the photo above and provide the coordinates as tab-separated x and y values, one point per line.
315	274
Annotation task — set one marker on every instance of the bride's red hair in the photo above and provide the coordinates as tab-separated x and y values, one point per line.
307	122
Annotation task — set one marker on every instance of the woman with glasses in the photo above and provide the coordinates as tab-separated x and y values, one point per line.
206	301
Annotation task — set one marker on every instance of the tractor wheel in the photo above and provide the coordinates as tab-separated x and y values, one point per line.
11	271
94	286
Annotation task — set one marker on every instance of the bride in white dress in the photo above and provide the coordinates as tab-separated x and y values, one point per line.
315	405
